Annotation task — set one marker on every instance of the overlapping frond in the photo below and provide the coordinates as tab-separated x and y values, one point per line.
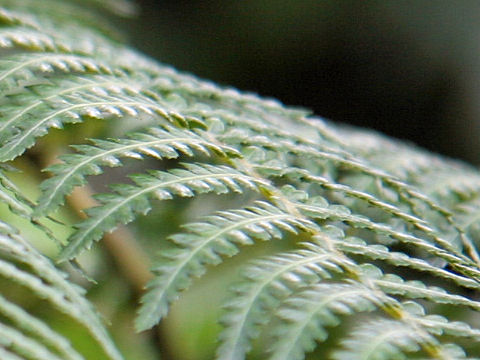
46	282
89	159
10	196
128	201
389	233
356	246
24	69
267	284
387	339
207	243
306	314
37	328
70	103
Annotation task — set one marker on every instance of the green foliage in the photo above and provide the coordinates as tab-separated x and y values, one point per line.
361	247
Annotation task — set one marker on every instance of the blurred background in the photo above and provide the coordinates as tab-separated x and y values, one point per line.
408	68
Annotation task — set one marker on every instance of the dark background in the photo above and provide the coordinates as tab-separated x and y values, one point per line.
409	68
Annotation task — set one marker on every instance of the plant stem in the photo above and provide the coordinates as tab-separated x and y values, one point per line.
132	261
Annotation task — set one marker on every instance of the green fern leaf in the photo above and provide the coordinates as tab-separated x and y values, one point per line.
7	355
23	69
306	314
393	284
24	345
50	284
387	339
320	209
130	200
269	282
439	325
154	142
356	246
28	39
207	242
379	221
113	99
39	329
10	197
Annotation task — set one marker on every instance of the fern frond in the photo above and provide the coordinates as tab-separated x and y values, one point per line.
415	289
387	339
38	97
18	204
372	214
47	282
434	175
439	325
71	105
267	283
325	152
23	69
306	314
7	355
24	345
29	40
467	215
450	185
357	246
227	101
52	37
37	328
318	208
13	199
51	16
130	200
89	159
324	155
296	174
205	244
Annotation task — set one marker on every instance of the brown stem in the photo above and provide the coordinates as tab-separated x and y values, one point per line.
132	261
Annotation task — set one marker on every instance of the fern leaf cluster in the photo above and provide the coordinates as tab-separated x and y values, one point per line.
378	239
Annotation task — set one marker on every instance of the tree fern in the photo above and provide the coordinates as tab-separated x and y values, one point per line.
153	142
350	233
50	284
269	283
